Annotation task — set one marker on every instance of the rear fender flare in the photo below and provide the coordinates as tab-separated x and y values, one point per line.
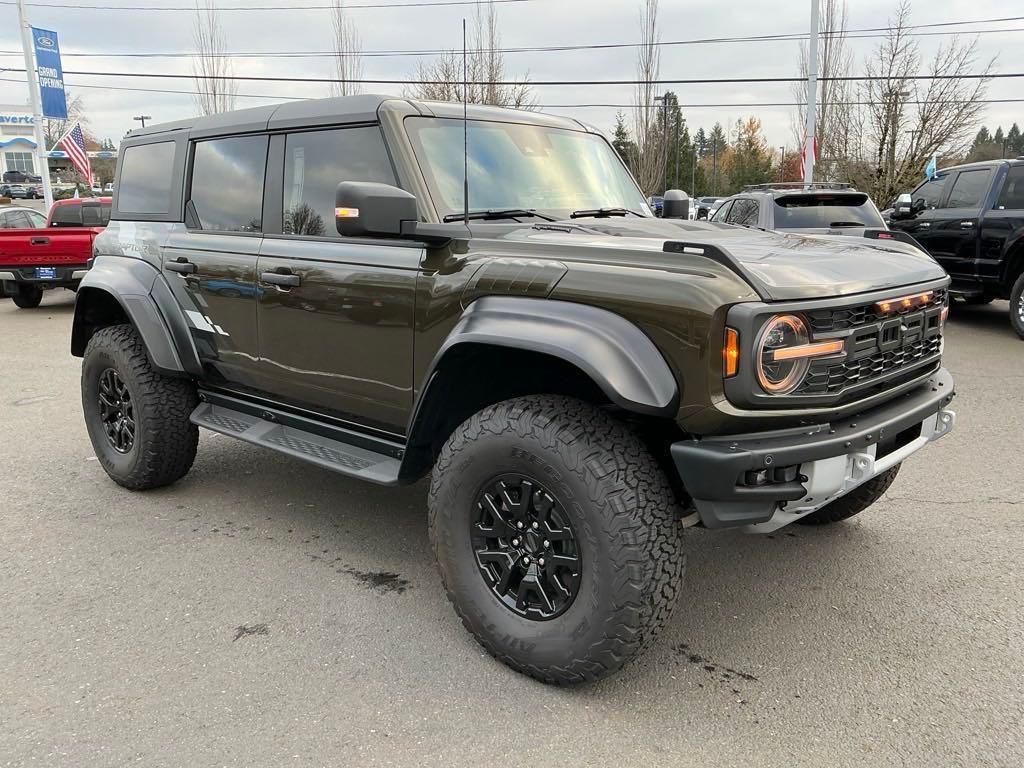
143	295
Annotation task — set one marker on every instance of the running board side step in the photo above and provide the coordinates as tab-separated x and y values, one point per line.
347	459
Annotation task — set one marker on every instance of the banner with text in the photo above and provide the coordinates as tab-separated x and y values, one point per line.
51	75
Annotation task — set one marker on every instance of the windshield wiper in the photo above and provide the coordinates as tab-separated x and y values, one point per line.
600	213
501	213
847	224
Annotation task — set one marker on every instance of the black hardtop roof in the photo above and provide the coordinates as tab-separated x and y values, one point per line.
363	108
982	164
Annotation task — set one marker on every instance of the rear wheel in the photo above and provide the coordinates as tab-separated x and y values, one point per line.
1017	306
138	420
28	296
557	537
853	503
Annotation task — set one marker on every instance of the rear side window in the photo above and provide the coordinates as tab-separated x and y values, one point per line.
1011	198
316	162
825	212
744	211
96	215
227	184
66	216
723	212
144	180
969	189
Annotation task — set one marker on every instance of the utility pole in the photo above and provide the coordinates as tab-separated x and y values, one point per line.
693	174
782	165
812	97
664	139
43	165
714	166
143	119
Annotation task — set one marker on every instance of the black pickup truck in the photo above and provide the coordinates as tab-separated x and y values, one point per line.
971	219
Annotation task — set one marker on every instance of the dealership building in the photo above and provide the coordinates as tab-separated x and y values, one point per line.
18	146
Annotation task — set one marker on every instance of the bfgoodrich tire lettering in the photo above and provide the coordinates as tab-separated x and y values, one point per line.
617	501
164	441
853	503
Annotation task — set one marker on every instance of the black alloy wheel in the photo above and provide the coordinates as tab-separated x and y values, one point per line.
117	412
526	549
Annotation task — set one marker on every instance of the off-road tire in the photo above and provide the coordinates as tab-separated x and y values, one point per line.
165	440
1017	306
28	296
619	503
855	502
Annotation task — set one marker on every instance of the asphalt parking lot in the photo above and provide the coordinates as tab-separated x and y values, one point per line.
265	612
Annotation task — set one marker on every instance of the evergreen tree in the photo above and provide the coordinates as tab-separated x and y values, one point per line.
1014	141
700	141
622	142
750	161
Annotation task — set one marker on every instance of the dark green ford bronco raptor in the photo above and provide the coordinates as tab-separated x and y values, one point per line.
580	380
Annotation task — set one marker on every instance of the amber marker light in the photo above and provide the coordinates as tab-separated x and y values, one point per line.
731	352
346	213
904	302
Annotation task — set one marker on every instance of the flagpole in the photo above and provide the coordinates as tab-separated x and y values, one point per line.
812	97
37	107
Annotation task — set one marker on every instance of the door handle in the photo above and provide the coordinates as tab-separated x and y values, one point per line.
924	224
40	241
966	224
181	266
281	278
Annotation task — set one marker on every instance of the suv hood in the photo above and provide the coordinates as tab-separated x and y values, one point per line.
780	266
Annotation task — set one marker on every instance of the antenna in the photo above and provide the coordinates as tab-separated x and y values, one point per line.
465	127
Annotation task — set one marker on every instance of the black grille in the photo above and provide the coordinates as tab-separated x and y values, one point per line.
826	320
831	379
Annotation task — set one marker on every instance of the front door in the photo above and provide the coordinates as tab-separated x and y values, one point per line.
960	222
210	263
335	314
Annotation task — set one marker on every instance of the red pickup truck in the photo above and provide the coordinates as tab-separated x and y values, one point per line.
34	260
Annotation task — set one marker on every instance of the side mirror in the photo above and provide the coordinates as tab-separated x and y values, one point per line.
369	209
903	208
676	205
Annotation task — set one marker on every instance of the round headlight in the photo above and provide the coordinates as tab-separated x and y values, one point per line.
779	375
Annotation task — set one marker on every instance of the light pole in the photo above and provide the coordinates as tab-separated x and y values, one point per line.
693	173
782	165
37	106
142	119
714	166
664	139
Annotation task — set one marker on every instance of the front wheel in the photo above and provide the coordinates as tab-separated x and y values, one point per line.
1017	306
557	537
138	420
28	296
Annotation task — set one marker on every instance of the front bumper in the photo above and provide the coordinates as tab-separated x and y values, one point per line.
769	479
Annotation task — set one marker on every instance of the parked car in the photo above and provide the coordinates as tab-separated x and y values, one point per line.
822	208
80	212
971	219
580	383
706	206
20	177
22	192
16	217
108	188
657	203
39	257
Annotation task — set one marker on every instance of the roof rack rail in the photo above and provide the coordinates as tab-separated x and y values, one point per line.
799	185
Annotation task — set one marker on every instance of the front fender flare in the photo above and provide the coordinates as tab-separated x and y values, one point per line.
610	349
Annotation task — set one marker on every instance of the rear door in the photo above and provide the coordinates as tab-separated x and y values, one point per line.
1002	228
210	264
339	338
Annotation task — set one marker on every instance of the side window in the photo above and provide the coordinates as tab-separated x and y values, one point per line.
930	192
969	189
6	220
144	179
744	211
722	213
67	216
316	162
21	220
1011	198
226	193
38	221
95	215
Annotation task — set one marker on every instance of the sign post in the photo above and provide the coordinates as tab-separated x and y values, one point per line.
36	41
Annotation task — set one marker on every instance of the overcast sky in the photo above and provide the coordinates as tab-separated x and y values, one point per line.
531	23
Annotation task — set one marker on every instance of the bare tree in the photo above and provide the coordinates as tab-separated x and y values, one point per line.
211	68
54	130
833	118
649	163
901	122
348	49
441	79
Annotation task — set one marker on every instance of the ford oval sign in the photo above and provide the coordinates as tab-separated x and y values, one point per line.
46	42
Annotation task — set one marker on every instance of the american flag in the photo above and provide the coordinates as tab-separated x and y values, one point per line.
73	143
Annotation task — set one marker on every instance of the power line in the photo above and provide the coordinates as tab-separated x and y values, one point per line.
683	106
355	6
438	51
540	83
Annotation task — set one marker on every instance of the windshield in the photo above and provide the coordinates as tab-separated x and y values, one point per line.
820	211
514	165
